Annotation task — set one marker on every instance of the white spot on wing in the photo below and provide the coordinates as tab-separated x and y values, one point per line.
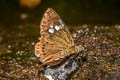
57	28
60	26
51	26
61	22
51	30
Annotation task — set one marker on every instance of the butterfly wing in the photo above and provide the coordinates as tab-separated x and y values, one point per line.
56	41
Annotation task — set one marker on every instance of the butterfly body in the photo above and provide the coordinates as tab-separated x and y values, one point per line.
56	42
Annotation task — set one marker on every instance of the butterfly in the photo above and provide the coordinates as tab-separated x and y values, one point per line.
56	42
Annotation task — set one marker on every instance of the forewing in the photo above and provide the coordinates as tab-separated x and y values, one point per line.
55	38
51	25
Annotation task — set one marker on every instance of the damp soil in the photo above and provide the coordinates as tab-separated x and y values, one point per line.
100	59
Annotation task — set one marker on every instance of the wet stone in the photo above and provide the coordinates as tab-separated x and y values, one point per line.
62	72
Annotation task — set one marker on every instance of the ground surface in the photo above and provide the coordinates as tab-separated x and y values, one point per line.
100	59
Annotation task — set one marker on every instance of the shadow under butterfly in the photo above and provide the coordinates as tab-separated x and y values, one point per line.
56	44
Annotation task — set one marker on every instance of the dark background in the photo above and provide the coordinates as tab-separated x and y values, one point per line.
73	12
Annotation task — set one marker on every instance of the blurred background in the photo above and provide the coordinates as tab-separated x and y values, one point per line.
73	12
95	25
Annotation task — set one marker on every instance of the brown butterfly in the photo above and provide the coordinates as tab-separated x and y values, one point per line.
56	42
